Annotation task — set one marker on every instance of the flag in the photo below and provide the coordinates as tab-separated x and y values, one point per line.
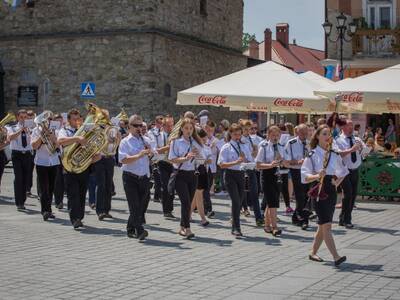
329	73
337	71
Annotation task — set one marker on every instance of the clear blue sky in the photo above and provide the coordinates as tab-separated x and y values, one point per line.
304	17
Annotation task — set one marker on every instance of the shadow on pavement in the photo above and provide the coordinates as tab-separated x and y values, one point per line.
157	243
217	242
376	230
101	231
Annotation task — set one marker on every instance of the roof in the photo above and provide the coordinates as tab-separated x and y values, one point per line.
300	59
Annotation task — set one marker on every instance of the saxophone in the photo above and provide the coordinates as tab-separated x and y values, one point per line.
42	122
77	158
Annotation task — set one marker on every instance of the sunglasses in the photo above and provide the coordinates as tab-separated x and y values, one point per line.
254	128
136	125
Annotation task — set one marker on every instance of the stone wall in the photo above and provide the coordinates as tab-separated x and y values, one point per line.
131	49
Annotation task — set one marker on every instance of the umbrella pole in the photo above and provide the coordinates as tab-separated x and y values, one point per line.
269	117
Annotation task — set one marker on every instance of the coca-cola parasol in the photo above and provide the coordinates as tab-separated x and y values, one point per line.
377	92
268	86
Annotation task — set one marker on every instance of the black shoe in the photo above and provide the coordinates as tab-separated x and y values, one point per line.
211	214
304	226
51	216
237	233
169	216
341	224
46	216
101	216
190	236
92	206
349	226
205	224
315	258
260	223
108	216
30	195
21	208
77	224
113	193
131	234
60	206
143	236
340	261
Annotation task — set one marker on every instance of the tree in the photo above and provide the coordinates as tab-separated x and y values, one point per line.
247	37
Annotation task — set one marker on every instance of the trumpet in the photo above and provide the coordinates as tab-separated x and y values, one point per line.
42	122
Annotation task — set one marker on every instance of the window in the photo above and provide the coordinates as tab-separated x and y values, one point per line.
384	17
372	23
203	8
167	90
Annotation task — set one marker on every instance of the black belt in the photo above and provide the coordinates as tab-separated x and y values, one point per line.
20	152
135	176
353	169
184	171
234	171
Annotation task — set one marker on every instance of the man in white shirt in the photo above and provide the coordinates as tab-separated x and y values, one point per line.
350	148
133	153
21	155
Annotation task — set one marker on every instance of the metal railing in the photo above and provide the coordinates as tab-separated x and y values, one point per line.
376	42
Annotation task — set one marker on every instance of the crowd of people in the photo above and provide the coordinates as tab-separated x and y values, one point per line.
196	158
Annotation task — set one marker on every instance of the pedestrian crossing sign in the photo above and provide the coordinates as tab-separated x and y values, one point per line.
88	90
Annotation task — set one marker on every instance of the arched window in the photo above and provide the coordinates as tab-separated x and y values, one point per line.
167	90
203	8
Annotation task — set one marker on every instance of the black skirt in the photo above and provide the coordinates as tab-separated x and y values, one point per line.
271	188
326	208
202	178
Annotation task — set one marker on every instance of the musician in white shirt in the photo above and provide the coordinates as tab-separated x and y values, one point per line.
182	154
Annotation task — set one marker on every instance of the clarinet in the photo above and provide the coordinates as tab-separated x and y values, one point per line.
278	168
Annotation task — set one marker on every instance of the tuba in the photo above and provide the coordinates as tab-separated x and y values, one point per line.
113	140
42	122
10	117
77	158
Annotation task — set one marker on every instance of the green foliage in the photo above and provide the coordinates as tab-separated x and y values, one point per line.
247	37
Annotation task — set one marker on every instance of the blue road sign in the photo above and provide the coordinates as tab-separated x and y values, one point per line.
88	90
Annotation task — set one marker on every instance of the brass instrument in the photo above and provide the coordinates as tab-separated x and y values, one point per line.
77	158
10	117
42	121
122	116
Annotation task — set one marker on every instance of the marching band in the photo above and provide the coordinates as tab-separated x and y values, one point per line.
192	158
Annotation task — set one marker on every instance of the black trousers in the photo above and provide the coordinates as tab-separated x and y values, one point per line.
76	186
30	175
234	182
300	189
22	171
185	186
59	186
157	182
206	194
3	160
136	190
46	177
165	169
285	189
350	187
104	172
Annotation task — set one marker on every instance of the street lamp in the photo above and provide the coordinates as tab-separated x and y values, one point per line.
342	31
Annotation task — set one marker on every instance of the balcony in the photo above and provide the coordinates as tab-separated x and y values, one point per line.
376	42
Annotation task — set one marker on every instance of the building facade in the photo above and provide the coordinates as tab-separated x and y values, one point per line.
374	46
138	53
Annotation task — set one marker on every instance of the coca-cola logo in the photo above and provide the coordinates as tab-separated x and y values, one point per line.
217	100
289	103
355	97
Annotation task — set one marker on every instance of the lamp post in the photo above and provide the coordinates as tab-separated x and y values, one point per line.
342	30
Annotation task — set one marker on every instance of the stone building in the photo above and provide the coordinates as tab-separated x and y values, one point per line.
139	53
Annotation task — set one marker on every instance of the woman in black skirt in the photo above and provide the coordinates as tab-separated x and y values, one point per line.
271	156
202	173
329	166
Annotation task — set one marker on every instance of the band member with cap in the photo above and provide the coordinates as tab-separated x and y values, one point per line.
133	154
270	159
182	154
350	148
230	158
251	196
75	184
21	156
47	164
104	173
165	168
297	151
328	167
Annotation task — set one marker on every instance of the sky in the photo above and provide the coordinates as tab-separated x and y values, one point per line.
304	17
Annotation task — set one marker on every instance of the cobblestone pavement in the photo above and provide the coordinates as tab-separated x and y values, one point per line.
49	260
